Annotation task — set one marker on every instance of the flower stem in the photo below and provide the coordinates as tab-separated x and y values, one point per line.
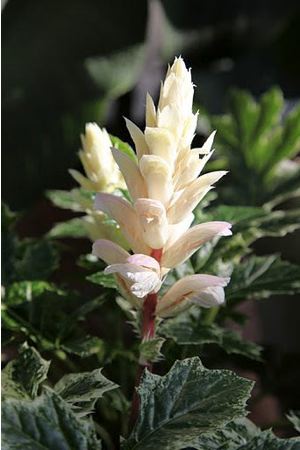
147	333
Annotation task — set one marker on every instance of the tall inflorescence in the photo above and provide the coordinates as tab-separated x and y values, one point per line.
165	185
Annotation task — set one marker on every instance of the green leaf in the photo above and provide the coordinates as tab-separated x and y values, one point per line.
241	434
232	342
116	74
231	437
27	372
85	346
123	147
46	422
185	329
255	140
8	217
38	261
260	277
105	280
294	418
82	390
150	350
73	228
25	291
189	400
290	139
69	199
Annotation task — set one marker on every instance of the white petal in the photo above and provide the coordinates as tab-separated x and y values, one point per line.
138	138
161	143
157	175
150	112
205	290
192	195
170	118
206	147
189	130
110	252
211	296
187	244
153	221
177	230
131	173
82	180
143	280
144	261
120	210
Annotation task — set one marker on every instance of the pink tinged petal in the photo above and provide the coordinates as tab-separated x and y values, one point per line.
211	296
161	143
131	173
196	236
144	261
124	287
138	138
153	221
192	195
150	112
157	175
205	290
178	229
143	281
122	212
109	252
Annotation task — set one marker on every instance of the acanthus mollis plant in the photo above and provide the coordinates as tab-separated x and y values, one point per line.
165	187
189	406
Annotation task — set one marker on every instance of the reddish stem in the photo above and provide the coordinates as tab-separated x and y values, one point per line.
148	332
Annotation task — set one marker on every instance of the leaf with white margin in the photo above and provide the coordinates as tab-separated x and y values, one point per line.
189	400
82	389
46	422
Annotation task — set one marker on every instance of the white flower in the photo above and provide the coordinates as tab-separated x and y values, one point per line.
140	273
102	172
204	290
165	187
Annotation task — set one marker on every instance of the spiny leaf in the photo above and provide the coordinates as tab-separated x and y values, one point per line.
28	371
185	330
85	346
231	437
189	400
243	435
46	422
255	140
294	418
82	390
39	259
260	277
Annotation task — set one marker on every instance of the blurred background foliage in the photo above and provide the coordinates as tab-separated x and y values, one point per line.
66	63
69	62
